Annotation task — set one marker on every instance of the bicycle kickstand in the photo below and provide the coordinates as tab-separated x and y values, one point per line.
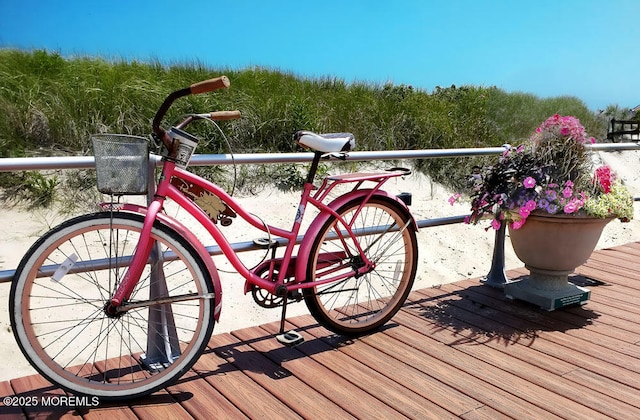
290	338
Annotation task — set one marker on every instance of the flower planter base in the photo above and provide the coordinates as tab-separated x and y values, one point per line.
549	290
552	246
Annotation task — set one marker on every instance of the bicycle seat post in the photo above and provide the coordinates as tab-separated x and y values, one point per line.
314	167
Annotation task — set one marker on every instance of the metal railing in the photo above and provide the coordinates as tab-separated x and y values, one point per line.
495	277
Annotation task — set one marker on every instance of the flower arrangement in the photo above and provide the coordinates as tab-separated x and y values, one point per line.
552	173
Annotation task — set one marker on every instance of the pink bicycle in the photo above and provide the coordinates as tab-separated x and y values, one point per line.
119	303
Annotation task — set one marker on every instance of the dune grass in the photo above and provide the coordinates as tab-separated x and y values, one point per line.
51	105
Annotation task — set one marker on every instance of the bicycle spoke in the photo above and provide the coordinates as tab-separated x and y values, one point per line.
371	285
65	323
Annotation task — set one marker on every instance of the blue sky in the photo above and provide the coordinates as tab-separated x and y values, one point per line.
583	48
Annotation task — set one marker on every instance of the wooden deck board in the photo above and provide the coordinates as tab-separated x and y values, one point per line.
405	375
270	371
457	351
523	365
508	373
392	386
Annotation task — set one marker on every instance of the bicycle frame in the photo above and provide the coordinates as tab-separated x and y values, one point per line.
354	266
167	189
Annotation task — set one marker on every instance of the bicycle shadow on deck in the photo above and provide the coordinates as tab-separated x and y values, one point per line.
256	351
481	314
228	354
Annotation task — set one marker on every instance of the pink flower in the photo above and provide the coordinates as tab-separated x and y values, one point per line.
517	224
529	182
568	127
454	198
571	207
530	205
568	184
567	192
495	224
604	177
524	212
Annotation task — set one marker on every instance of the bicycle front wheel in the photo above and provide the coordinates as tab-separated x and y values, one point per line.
358	303
63	284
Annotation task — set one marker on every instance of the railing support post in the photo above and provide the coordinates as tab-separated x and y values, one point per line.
497	276
163	346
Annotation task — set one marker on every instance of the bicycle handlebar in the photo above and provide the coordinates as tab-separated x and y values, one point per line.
205	86
210	85
224	115
214	116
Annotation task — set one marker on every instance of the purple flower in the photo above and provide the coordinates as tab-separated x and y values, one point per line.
543	204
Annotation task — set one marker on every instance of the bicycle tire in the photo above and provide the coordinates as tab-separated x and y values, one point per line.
360	304
62	328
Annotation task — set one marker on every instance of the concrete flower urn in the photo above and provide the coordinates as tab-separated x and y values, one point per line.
551	247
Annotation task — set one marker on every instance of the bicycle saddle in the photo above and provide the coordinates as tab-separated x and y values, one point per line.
326	143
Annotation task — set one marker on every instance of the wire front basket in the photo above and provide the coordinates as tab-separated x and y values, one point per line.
121	163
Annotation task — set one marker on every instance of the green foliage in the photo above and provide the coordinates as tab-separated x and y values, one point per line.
618	203
41	190
32	187
53	103
289	177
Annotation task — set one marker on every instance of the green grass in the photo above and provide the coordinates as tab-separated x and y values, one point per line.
51	105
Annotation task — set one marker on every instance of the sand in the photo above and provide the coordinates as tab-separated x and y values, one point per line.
446	253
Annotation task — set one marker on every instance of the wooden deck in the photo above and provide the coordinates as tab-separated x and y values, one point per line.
457	351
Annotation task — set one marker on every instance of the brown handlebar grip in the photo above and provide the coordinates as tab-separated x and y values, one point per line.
210	85
225	115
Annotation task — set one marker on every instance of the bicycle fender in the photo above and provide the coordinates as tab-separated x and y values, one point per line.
189	237
314	229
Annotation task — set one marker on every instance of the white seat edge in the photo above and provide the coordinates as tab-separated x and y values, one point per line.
326	143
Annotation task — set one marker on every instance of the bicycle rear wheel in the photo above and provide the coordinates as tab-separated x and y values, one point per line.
362	302
58	298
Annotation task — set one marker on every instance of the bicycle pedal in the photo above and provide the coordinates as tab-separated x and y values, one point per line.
290	338
266	243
